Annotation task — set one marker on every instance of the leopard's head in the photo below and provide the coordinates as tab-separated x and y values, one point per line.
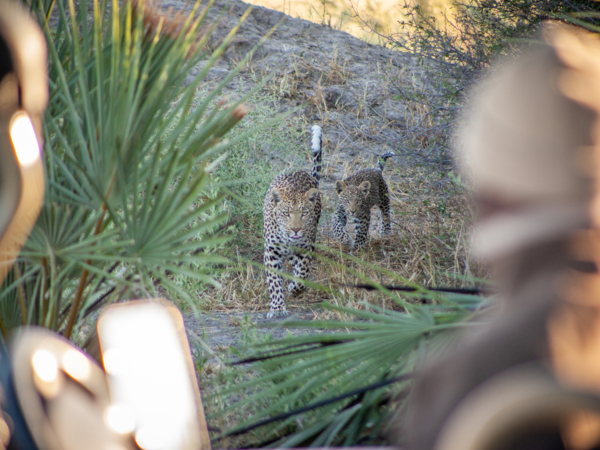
352	197
296	215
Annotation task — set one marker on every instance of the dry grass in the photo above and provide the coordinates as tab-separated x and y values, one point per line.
429	246
306	79
431	212
340	14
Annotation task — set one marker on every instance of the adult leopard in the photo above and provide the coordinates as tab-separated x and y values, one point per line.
292	210
357	194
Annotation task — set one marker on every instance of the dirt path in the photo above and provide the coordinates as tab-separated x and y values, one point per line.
223	330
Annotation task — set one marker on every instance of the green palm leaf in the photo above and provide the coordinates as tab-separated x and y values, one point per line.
297	372
129	202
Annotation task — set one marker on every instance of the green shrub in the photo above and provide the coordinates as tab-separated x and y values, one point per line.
129	199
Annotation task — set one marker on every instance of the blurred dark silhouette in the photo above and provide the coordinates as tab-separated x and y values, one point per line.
529	147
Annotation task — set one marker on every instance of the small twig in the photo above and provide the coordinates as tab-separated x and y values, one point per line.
468	290
82	283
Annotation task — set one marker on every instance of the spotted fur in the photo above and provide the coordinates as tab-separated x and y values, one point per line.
292	210
357	194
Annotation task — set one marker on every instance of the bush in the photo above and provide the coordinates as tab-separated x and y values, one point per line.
330	387
477	31
129	203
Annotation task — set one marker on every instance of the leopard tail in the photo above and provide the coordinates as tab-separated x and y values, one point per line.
317	156
383	158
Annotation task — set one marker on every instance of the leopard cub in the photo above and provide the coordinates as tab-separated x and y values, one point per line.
357	194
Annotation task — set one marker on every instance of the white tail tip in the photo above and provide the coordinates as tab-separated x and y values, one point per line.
316	138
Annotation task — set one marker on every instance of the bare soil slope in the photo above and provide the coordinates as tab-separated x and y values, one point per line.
352	88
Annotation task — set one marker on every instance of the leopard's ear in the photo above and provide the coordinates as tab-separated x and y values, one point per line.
339	186
312	195
365	187
276	195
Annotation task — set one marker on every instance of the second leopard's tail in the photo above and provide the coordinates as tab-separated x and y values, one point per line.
317	154
382	159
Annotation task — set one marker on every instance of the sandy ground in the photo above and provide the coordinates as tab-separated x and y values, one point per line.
222	330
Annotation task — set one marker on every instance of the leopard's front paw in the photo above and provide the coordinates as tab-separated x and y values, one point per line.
343	237
347	241
358	247
346	244
278	313
295	288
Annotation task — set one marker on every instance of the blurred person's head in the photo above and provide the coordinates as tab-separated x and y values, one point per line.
527	150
